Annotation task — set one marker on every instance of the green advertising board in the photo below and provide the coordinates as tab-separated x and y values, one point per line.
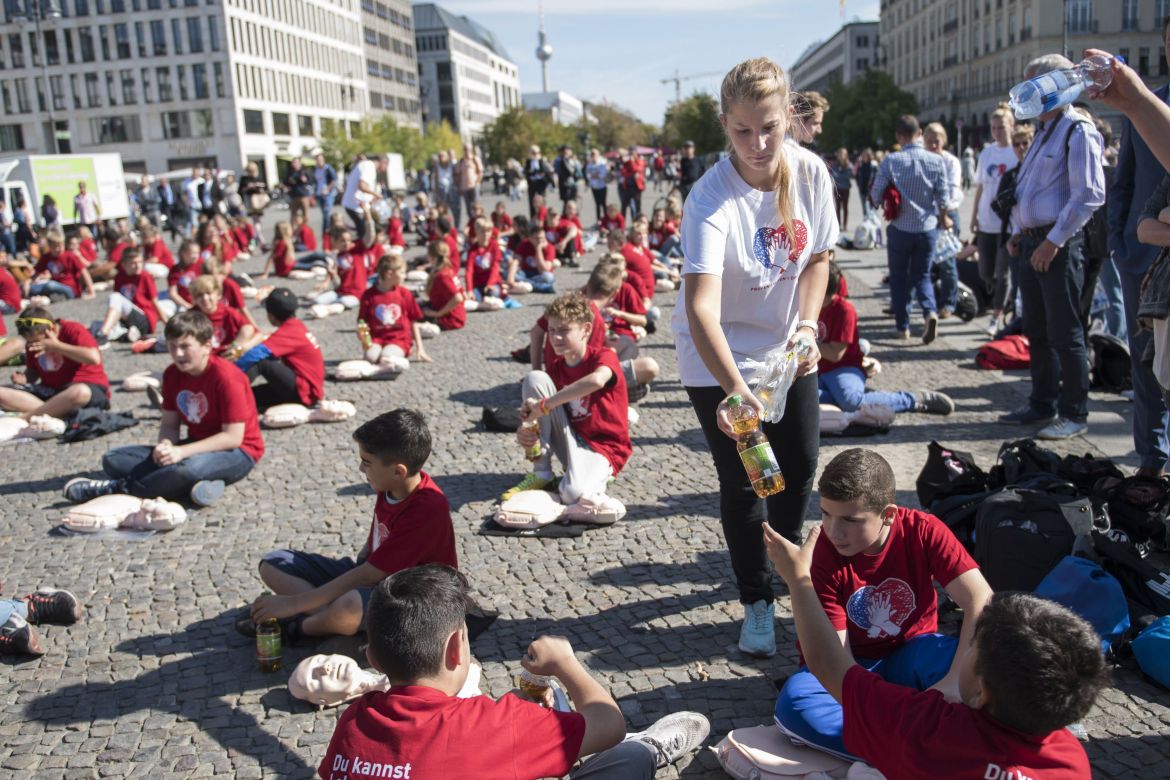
58	178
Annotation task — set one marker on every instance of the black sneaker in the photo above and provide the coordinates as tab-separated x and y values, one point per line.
59	607
18	638
103	341
637	392
80	489
930	332
932	402
206	492
1026	415
154	395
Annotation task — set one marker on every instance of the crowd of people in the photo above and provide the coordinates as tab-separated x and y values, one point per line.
750	246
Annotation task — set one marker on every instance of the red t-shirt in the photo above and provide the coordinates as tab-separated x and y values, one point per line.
885	599
394	233
913	734
180	278
226	322
221	395
596	336
443	289
57	371
389	314
452	239
424	734
158	252
658	235
501	221
141	291
638	270
526	253
633	173
839	326
353	268
307	237
541	216
9	289
602	418
116	253
282	258
232	294
295	344
563	226
413	531
63	267
483	265
616	222
628	300
87	248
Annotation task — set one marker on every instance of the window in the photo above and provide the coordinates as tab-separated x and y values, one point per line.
163	76
187	124
217	69
158	35
253	122
104	37
305	124
57	92
52	52
73	88
140	39
1161	11
1129	15
115	129
16	46
93	98
182	79
213	32
862	41
147	92
199	80
370	35
1080	16
111	93
194	35
1143	67
129	90
280	124
81	7
122	41
11	138
153	5
177	35
118	6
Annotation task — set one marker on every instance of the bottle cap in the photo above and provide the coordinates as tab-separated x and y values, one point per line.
734	400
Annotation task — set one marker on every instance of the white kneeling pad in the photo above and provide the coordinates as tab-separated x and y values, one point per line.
351	370
522	288
765	753
137	383
529	509
663	285
301	274
328	411
428	330
596	510
156	514
489	303
285	416
12	427
101	513
42	426
417	275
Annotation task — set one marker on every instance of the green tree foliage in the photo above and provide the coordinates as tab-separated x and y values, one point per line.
386	136
863	113
616	129
515	130
694	119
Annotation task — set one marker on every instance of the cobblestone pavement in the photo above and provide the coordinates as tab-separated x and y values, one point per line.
154	682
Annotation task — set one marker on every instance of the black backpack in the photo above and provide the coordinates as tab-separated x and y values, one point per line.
1085	471
1020	459
1147	588
1138	506
1021	534
948	472
502	419
1111	366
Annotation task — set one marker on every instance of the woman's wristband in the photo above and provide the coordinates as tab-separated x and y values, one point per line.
812	325
543	406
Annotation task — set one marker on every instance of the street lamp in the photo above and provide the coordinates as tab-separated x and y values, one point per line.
38	10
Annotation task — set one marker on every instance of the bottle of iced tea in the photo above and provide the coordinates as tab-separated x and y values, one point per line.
533	452
754	449
268	645
363	334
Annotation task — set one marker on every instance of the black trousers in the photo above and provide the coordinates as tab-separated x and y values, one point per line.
280	387
795	441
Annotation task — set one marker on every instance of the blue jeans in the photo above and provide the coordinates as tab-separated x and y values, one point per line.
1056	335
543	282
908	258
845	388
948	274
326	203
671	247
10	606
8	241
806	709
146	479
52	288
1115	315
1150	417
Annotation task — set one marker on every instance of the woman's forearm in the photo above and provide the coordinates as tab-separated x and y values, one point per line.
703	314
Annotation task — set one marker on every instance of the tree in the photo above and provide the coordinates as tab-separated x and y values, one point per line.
694	119
615	128
863	113
385	136
511	133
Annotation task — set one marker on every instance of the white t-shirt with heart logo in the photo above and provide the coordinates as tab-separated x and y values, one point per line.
733	231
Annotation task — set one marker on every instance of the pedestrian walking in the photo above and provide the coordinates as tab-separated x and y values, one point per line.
690	169
996	159
633	173
842	172
299	184
597	174
468	178
325	189
446	191
254	191
86	209
935	142
568	170
539	175
866	169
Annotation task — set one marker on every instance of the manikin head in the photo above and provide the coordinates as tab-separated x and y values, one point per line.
329	680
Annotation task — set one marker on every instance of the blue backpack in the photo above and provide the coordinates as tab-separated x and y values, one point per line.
1152	650
1093	593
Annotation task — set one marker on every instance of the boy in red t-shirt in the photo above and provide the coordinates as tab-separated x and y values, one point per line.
419	728
317	596
223	443
1030	669
159	260
840	375
502	220
63	367
569	243
348	275
874	570
392	316
188	269
229	327
621	308
289	358
134	305
534	262
613	220
580	405
60	274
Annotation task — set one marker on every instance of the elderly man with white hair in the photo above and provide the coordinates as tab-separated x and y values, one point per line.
1060	184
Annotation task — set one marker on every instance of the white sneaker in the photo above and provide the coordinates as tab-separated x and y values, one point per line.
674	735
992	326
757	637
1063	428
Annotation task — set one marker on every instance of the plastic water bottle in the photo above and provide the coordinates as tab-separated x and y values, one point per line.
754	449
1041	94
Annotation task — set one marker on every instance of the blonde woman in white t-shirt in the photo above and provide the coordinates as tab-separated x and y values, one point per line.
755	234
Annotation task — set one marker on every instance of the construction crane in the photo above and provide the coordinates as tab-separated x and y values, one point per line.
678	80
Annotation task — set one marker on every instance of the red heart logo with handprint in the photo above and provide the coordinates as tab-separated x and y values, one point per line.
192	405
772	242
881	610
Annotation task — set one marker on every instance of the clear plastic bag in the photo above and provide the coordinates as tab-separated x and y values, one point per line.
946	246
776	378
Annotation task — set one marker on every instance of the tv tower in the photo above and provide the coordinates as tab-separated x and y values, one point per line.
543	50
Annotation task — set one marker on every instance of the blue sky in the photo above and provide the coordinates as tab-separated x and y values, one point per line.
619	49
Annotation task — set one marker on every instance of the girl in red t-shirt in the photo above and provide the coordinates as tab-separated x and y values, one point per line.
483	263
282	258
662	237
228	325
502	221
394	232
86	246
444	291
613	219
392	316
59	272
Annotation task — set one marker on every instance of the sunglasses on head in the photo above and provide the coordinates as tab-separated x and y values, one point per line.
28	324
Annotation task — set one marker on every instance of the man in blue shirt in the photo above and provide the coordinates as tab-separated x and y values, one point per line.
326	189
921	180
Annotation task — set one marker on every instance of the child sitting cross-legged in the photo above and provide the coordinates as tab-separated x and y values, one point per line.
418	728
289	358
392	316
840	375
212	398
580	405
874	569
134	308
621	308
348	275
315	595
1029	668
444	304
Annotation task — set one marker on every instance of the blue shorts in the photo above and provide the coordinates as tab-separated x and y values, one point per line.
316	570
